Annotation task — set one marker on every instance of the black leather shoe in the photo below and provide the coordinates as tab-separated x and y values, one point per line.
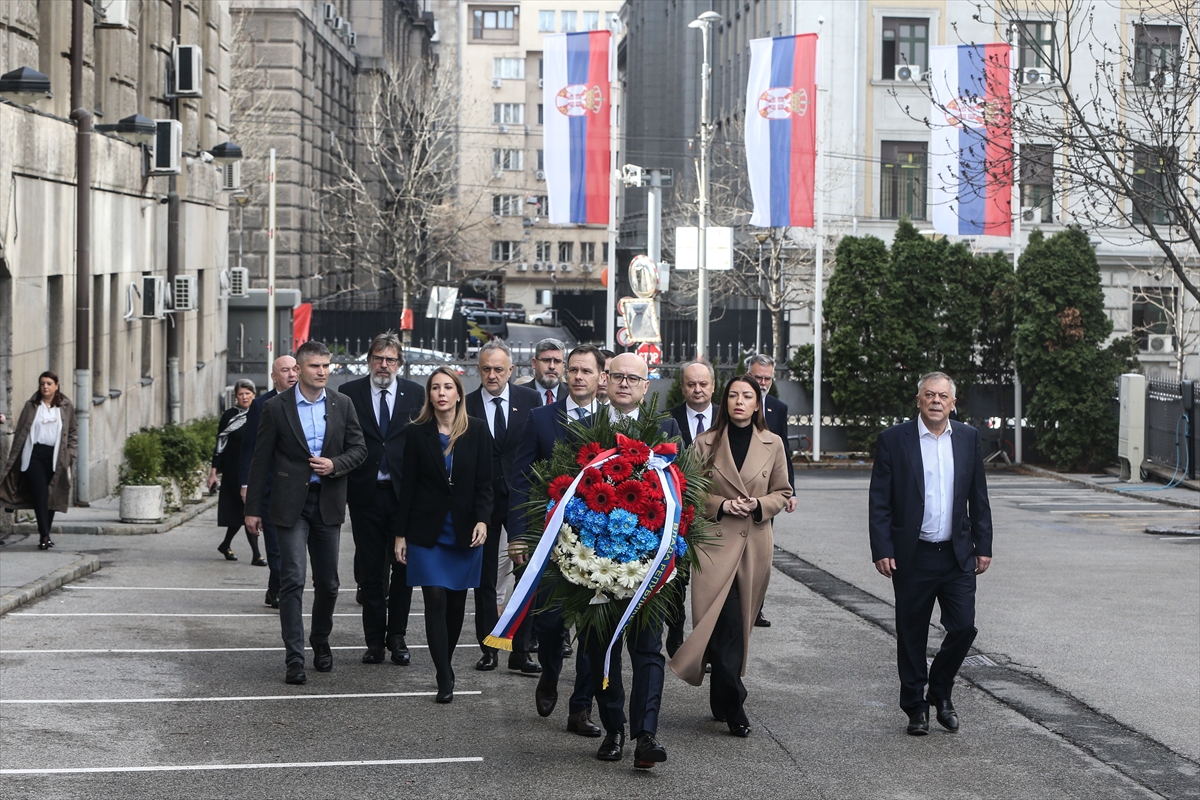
740	731
487	662
545	696
322	656
918	723
271	599
613	746
374	655
400	654
229	556
648	752
947	717
295	674
761	622
522	663
445	694
358	595
581	723
258	561
567	651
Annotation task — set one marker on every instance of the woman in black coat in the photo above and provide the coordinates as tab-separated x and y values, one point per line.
442	520
230	509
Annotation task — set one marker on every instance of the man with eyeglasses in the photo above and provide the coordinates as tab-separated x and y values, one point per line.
548	371
385	404
505	408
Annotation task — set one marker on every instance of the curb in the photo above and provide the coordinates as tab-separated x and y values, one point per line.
1160	530
84	565
1049	473
125	528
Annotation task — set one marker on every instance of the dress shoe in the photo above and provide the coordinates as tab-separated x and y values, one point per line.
445	694
567	650
918	723
648	752
258	561
521	662
740	731
400	654
322	656
374	655
295	674
487	662
358	595
947	717
581	723
225	551
271	599
613	746
545	696
761	622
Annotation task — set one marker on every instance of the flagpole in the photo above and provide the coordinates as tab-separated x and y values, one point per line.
271	263
819	267
1018	429
610	295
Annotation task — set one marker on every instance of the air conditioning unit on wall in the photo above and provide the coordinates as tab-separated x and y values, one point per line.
189	71
231	176
1160	344
908	72
154	300
184	293
112	13
239	282
522	267
165	152
1035	77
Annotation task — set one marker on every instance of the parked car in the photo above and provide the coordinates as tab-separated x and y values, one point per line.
492	322
547	317
468	305
514	312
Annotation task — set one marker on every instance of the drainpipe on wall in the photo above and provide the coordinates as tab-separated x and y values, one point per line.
83	257
174	334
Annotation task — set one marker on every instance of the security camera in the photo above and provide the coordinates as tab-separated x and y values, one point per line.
206	156
820	20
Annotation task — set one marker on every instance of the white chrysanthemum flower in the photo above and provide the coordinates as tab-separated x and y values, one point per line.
631	574
605	572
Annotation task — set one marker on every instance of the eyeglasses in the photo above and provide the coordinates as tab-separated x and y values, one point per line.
551	362
391	362
632	380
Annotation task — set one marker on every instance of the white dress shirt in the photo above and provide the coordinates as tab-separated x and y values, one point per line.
490	408
616	414
693	418
937	463
572	415
391	405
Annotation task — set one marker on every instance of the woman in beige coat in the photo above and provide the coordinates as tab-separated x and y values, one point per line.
748	470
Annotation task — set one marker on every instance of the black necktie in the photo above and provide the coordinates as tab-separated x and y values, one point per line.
499	426
384	418
699	424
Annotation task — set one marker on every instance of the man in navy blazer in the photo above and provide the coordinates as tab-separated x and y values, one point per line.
931	533
284	374
505	408
373	495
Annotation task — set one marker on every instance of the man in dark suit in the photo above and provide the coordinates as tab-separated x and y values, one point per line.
505	408
284	374
931	533
547	425
547	362
627	385
308	442
775	413
385	404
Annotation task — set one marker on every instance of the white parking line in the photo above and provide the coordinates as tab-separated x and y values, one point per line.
215	767
184	650
74	588
1192	538
120	700
1137	511
256	614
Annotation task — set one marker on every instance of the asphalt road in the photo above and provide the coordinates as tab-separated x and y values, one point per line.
162	675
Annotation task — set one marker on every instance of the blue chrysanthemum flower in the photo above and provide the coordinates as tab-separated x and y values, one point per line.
550	506
681	547
595	522
621	522
575	511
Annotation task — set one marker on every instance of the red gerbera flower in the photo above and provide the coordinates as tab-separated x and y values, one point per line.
588	452
637	452
654	517
685	520
590	478
631	496
601	497
680	481
652	487
558	487
618	469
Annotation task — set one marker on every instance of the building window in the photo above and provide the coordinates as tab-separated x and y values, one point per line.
546	21
508	159
1155	52
541	114
591	20
541	206
1154	173
587	252
506	251
905	43
902	180
543	251
493	24
568	22
506	205
511	69
609	17
1036	45
604	252
541	68
541	160
566	251
1153	318
508	113
1037	181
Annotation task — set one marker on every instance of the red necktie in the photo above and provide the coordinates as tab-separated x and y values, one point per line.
549	397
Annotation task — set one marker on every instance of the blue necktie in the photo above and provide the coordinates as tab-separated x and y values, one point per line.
579	412
699	424
384	418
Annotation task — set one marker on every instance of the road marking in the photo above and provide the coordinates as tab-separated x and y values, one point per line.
1137	511
187	650
1192	538
215	767
120	700
74	588
256	614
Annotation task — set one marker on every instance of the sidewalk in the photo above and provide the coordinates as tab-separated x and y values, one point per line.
1152	490
103	517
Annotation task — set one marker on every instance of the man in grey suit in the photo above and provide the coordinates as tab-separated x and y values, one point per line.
308	442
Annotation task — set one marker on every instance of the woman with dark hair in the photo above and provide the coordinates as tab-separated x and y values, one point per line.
38	472
442	520
748	470
231	511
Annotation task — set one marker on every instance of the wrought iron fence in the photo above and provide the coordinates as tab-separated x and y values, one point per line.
1172	441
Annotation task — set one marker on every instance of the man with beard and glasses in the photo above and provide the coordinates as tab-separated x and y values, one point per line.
547	364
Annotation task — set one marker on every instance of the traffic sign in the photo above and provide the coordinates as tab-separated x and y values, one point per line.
623	337
650	353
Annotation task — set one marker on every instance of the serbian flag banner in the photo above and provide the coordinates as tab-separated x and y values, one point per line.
577	81
781	130
970	147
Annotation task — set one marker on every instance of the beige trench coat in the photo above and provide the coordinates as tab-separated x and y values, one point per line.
14	492
743	548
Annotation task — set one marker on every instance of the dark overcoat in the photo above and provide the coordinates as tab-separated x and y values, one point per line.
14	492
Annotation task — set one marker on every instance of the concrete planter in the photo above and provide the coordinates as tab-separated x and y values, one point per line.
141	504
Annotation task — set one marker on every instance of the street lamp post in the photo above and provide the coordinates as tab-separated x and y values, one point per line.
703	22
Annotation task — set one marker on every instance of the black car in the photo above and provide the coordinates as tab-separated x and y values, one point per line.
514	312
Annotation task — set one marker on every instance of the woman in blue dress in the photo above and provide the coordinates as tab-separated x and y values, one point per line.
442	521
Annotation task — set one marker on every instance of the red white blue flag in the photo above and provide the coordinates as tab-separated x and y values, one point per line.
577	81
970	149
781	130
